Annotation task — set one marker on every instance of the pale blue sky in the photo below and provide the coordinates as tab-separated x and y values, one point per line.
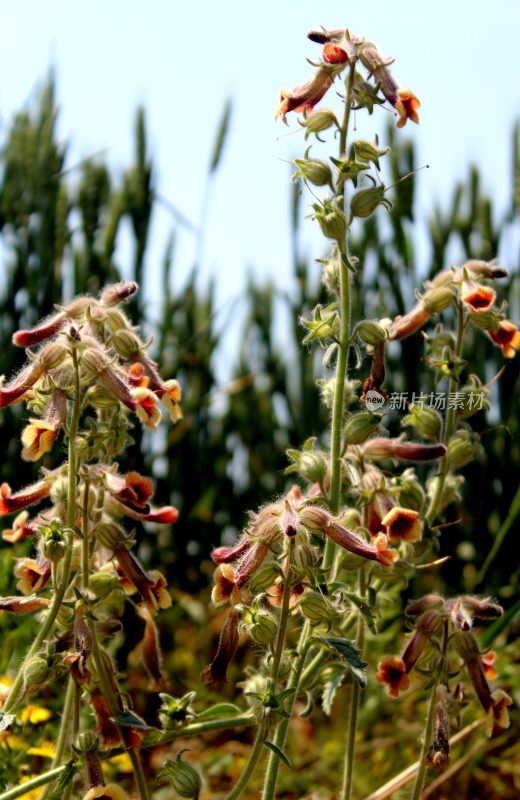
182	60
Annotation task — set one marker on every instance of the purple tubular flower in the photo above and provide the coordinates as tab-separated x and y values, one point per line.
354	544
381	448
226	555
251	562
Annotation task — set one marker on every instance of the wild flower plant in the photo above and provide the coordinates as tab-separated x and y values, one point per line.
87	374
309	576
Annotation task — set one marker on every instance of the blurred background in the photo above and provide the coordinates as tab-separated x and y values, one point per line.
141	144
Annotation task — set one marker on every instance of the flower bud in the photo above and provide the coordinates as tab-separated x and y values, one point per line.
87	742
36	672
371	332
102	583
264	628
265	577
115	320
318	121
112	536
365	202
463	447
360	426
366	151
53	355
331	219
183	777
312	466
118	292
305	556
313	170
126	344
485	320
438	299
410	492
425	420
315	519
315	607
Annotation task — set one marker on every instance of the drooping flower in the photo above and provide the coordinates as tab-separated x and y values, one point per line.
14	391
392	674
225	587
226	555
32	574
170	396
402	525
151	649
146	407
507	337
406	106
438	756
498	716
380	449
151	585
413	321
478	297
23	605
21	528
37	439
216	672
305	96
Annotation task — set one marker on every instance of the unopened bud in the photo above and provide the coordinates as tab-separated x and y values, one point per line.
425	420
318	121
115	320
87	742
410	493
438	299
312	466
118	292
53	355
126	344
305	556
264	628
371	332
102	583
365	202
366	151
313	170
463	447
112	536
360	426
36	672
331	219
315	519
315	607
485	320
265	577
183	777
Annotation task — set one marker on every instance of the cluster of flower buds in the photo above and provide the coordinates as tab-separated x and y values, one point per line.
450	620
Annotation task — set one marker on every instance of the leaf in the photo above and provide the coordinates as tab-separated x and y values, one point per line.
127	719
330	689
350	655
276	750
66	776
219	711
366	611
153	738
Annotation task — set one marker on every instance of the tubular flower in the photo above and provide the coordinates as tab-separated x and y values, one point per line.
226	555
118	293
438	756
53	324
406	106
507	337
412	322
377	551
131	490
9	503
21	528
380	448
23	605
477	297
150	585
146	407
498	716
216	672
402	525
427	625
252	561
37	439
225	587
32	574
25	380
151	649
305	96
467	647
170	396
392	674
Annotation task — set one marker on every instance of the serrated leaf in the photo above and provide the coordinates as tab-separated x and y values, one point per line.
127	719
65	778
276	750
350	655
330	689
219	711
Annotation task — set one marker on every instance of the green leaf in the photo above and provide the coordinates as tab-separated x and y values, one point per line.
66	776
220	710
127	719
153	738
276	750
366	611
330	689
350	655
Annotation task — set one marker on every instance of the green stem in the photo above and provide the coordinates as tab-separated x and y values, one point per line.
449	426
261	733
34	783
63	733
253	759
281	731
354	701
85	543
343	347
